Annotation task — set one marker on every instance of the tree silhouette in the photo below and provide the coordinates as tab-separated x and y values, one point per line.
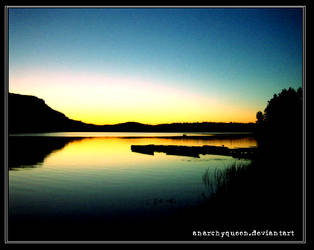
284	110
280	126
259	117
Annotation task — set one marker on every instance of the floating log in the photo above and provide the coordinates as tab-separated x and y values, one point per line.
195	151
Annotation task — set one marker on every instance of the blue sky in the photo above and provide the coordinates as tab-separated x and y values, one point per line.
237	57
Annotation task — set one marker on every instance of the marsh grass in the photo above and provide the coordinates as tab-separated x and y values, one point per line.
221	181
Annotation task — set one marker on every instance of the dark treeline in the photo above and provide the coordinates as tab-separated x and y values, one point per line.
29	114
181	127
267	193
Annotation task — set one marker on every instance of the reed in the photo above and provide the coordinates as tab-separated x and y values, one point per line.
222	181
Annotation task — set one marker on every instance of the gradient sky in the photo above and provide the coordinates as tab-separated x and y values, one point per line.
109	65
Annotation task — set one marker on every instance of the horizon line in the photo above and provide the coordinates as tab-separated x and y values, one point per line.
148	124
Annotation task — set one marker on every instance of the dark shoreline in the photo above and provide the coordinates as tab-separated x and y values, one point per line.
184	136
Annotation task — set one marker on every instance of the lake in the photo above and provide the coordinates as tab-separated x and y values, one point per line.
65	180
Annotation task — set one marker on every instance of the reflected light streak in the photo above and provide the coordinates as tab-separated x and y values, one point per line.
107	151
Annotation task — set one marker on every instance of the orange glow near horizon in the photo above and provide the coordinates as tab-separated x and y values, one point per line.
100	100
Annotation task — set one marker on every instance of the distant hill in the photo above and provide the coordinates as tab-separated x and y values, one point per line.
31	114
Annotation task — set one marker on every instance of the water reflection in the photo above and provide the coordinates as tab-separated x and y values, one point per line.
32	151
100	180
28	152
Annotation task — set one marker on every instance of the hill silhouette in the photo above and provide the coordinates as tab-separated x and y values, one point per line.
31	114
28	114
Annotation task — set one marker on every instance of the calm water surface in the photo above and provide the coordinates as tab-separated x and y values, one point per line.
97	175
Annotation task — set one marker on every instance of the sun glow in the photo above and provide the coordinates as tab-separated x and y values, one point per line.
101	99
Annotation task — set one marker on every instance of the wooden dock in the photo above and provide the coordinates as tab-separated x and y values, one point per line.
195	151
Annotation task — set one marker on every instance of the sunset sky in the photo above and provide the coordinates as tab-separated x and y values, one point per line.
158	65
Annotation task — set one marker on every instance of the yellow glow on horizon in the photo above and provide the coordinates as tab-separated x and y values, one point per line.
88	153
100	99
